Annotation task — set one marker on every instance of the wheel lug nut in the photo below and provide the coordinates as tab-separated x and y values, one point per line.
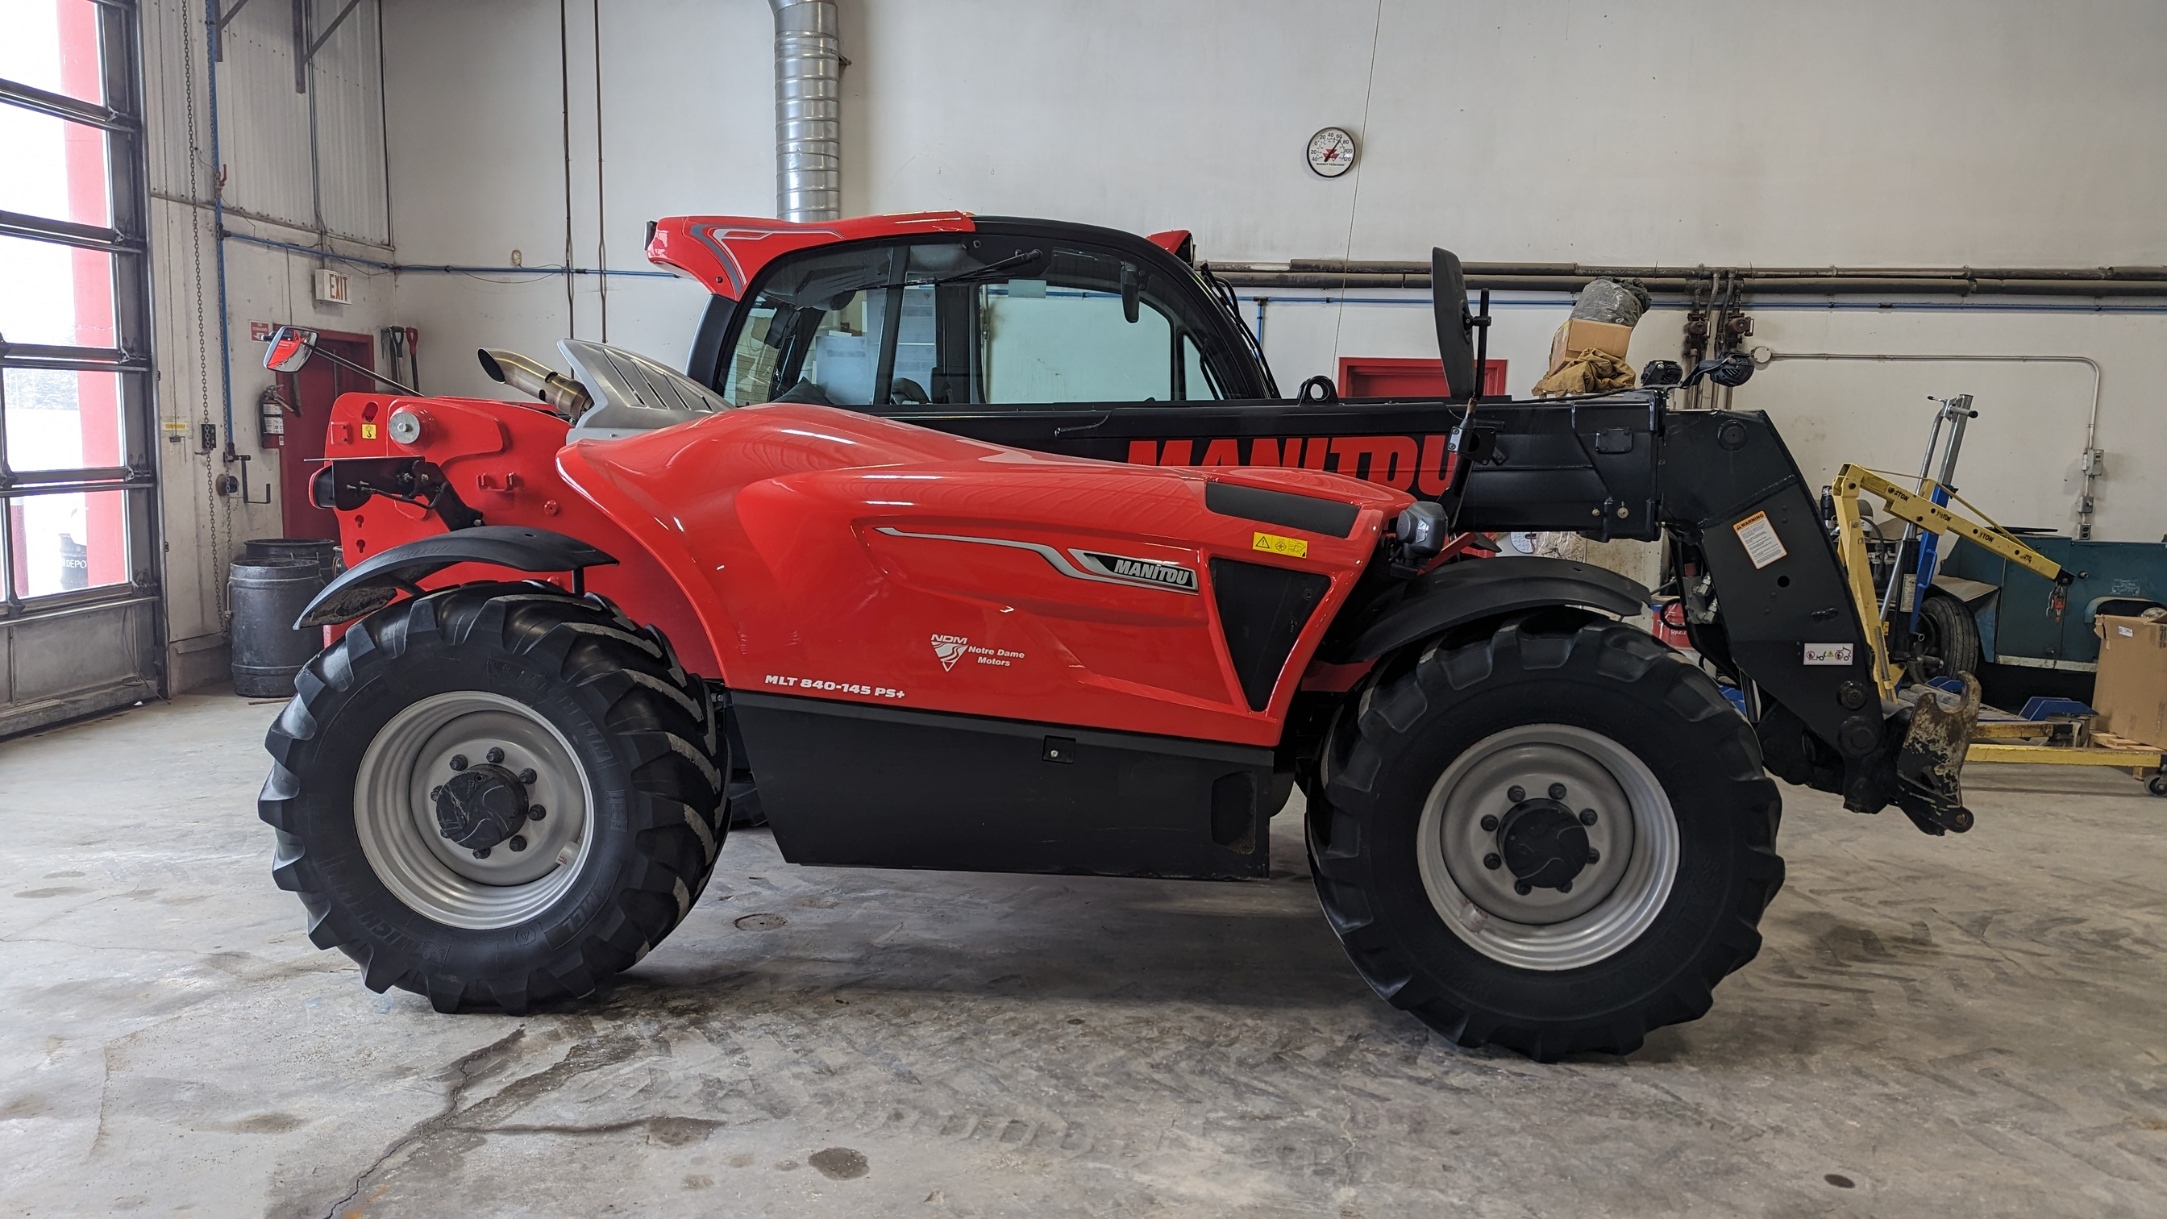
517	843
1565	886
1595	857
537	812
482	853
1587	816
494	755
1492	862
458	761
1489	822
528	776
436	793
1522	888
1557	790
1516	793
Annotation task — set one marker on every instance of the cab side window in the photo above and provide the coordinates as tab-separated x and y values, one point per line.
965	320
1049	342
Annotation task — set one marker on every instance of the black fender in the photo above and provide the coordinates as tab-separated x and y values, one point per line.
374	583
1471	590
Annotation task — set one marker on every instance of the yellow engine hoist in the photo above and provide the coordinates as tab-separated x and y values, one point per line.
1919	510
1926	509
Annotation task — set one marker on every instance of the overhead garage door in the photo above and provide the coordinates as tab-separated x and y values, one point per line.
79	620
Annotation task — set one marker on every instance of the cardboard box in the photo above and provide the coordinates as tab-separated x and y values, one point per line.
2131	693
1578	335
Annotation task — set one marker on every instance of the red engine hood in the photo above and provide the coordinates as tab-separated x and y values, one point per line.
823	546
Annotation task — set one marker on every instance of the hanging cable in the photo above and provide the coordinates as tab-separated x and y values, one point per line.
1354	204
564	87
601	213
204	426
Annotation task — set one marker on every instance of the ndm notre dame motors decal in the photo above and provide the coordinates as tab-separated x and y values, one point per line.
1421	464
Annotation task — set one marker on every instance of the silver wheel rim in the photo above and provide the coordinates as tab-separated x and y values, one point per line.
1614	898
395	816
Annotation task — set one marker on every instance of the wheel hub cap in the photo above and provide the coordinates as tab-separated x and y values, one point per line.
473	809
1547	846
481	806
1544	844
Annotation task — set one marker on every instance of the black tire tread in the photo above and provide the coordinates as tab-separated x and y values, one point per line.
1956	632
658	713
1342	843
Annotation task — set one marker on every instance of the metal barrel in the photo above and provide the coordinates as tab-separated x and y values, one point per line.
323	552
268	594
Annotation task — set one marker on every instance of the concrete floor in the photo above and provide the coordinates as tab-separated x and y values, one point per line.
1970	1026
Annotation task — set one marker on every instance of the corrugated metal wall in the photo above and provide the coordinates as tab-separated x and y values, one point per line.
276	175
314	160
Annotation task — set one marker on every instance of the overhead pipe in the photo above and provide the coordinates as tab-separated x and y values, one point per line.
808	110
1321	273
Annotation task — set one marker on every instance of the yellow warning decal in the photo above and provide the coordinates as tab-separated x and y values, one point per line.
1274	544
368	431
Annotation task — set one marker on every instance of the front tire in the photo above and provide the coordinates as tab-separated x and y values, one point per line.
495	795
1552	837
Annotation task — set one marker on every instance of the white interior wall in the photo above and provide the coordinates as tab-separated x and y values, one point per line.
1990	132
1967	132
479	122
1888	132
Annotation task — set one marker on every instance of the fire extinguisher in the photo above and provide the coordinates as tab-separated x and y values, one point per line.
271	412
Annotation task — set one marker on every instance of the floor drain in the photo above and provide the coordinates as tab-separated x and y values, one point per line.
761	922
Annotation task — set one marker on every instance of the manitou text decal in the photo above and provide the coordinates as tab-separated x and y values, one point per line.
822	685
951	648
1140	571
1422	464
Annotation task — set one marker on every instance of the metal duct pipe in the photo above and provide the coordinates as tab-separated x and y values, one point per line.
1331	274
808	110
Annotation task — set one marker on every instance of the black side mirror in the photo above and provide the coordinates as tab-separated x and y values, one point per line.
1732	369
1455	329
1132	289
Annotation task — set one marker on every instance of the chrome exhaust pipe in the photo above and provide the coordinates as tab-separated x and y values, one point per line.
567	397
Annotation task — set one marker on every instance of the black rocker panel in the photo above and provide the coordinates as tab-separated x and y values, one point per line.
887	788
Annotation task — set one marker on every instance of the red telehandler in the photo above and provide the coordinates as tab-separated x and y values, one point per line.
1530	822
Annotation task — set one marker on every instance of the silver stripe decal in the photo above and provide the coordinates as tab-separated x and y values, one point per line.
1061	562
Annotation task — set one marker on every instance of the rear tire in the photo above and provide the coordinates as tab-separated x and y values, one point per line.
603	749
1457	797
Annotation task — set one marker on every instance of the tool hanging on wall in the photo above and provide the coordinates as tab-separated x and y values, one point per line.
402	345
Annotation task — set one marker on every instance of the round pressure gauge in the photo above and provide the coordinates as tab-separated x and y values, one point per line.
1331	152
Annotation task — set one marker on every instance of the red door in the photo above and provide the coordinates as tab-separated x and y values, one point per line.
310	393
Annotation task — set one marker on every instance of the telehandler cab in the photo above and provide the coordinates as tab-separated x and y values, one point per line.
1530	822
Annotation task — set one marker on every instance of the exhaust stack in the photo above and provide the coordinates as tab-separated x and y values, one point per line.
564	395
